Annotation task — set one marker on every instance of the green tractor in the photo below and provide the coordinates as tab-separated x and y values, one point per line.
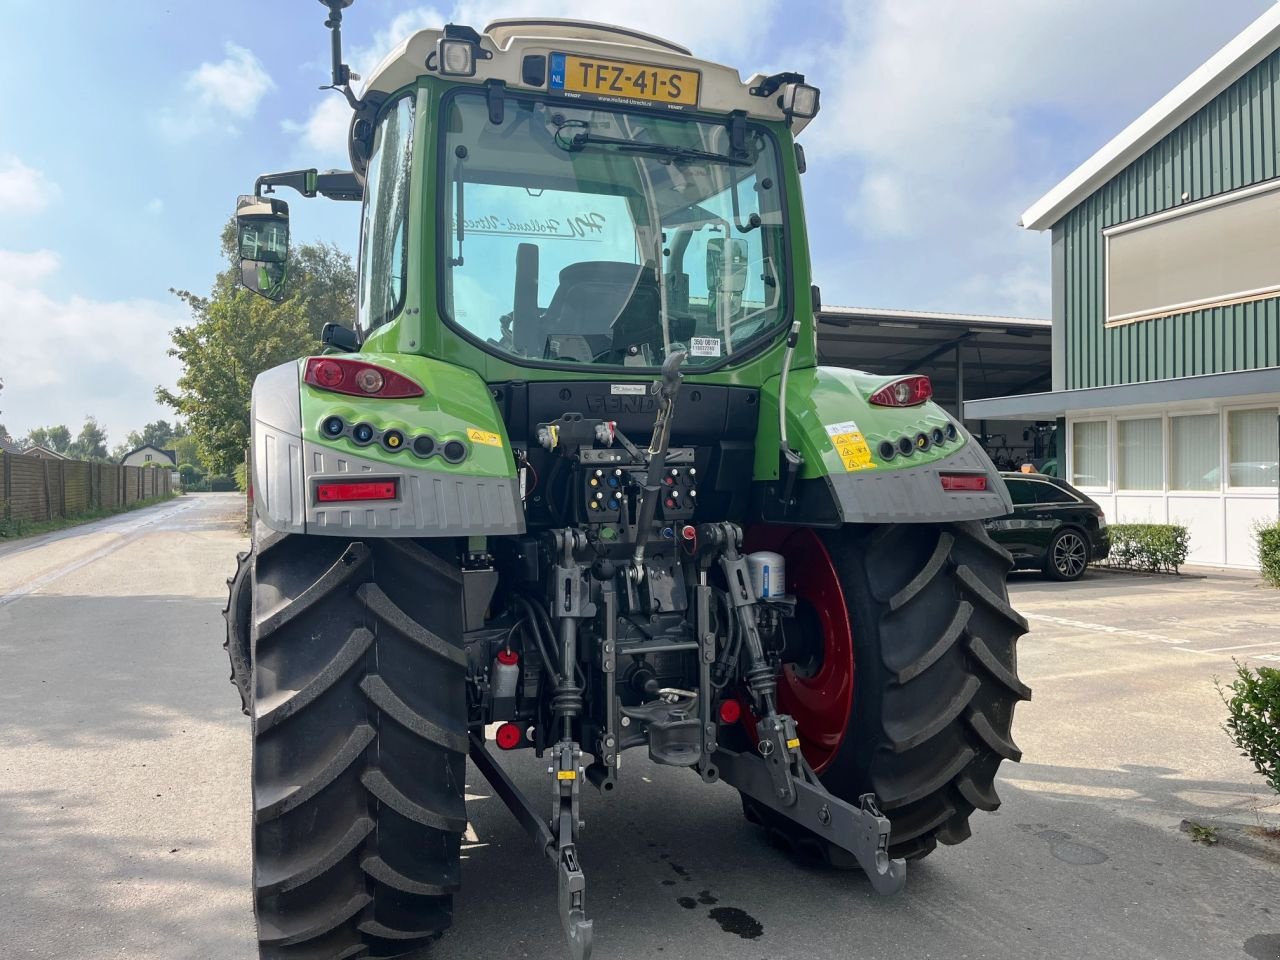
575	484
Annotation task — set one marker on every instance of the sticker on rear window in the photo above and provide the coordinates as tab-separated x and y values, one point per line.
704	347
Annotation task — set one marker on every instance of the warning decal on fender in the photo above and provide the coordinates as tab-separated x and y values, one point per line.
851	446
483	436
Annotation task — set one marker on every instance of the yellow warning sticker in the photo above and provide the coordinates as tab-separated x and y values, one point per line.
792	744
566	775
484	436
853	450
850	445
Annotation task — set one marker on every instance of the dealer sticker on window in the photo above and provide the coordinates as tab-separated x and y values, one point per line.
704	347
850	445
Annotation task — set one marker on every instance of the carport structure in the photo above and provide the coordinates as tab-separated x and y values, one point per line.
967	356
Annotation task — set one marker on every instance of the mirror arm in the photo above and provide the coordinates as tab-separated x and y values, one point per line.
333	184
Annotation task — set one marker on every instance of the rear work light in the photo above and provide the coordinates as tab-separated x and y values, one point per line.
963	482
904	392
343	492
357	379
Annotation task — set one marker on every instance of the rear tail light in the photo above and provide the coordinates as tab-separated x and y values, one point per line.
358	379
904	392
342	492
963	482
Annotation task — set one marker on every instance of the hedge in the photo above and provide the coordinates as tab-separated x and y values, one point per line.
1154	547
1253	718
1268	537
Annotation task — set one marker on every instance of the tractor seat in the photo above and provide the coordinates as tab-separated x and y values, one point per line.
594	294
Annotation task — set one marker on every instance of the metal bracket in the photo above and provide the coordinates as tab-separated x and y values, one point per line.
566	767
572	886
706	656
861	830
554	838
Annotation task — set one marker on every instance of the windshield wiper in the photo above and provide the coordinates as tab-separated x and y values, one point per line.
674	151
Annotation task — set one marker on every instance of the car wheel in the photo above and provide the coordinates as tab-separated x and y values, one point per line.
1067	556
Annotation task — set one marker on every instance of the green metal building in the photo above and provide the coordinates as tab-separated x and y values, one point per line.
1166	308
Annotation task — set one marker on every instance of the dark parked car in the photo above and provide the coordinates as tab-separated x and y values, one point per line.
1054	527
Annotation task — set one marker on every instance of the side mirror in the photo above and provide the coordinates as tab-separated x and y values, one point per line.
727	265
262	240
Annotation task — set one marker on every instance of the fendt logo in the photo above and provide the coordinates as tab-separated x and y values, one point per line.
613	406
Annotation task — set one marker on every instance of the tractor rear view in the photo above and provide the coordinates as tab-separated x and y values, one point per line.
574	485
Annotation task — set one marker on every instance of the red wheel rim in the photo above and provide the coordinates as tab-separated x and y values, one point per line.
821	703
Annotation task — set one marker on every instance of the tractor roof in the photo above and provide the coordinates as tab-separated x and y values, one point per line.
509	41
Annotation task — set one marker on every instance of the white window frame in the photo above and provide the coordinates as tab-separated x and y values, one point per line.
1164	453
1111	457
1225	431
1221	488
1169	310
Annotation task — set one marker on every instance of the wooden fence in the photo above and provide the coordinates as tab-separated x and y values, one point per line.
36	489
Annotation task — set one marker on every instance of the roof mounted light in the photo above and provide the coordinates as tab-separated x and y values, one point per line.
458	50
800	100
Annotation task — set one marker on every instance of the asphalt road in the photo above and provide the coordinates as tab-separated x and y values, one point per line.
124	795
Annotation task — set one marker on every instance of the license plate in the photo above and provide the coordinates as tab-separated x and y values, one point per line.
600	79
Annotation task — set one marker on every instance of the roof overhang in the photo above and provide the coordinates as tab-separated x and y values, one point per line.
1156	393
508	42
1224	68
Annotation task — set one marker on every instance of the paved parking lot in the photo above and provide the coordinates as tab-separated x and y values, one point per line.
124	793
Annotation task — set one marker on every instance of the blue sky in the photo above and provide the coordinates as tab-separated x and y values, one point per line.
129	128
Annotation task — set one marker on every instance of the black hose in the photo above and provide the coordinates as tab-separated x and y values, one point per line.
531	611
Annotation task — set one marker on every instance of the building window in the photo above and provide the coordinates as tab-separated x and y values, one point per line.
1090	466
1140	454
1196	460
1252	444
1222	250
148	458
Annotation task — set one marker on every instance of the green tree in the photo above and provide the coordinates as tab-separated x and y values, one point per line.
158	434
90	443
185	446
57	439
235	335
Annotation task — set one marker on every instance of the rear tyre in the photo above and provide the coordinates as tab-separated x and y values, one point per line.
238	615
935	677
1067	556
359	750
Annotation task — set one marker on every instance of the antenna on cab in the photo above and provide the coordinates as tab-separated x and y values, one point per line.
342	75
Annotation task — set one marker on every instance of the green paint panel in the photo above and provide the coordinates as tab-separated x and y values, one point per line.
456	403
1230	143
820	397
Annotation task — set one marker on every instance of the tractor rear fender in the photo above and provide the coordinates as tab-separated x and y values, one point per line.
846	477
460	482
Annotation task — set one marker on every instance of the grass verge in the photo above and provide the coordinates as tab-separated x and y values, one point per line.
20	529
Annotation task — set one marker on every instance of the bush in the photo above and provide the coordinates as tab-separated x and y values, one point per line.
241	474
1253	721
1268	537
1155	547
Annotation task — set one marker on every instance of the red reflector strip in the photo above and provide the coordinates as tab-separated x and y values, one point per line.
366	490
963	482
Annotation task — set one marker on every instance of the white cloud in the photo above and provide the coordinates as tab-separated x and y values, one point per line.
23	189
66	356
726	29
324	133
217	96
947	119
